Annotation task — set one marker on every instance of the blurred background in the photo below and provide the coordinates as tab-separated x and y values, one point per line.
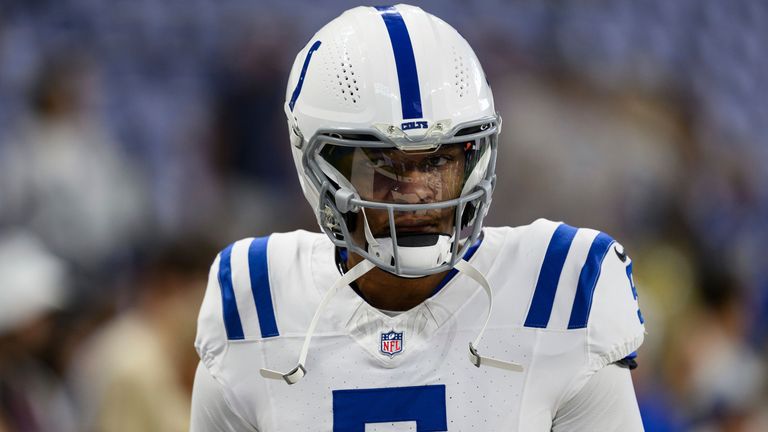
139	137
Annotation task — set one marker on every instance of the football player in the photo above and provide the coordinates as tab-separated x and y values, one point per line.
405	313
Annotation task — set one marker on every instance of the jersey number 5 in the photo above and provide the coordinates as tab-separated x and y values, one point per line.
425	405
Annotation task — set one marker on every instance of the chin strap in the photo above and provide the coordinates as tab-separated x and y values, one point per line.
294	375
297	373
368	234
474	356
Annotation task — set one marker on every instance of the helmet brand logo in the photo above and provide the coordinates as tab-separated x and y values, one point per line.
391	343
414	125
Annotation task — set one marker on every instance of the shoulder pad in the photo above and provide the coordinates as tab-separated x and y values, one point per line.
238	300
584	281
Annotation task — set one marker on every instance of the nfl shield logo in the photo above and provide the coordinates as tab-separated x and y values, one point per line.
391	343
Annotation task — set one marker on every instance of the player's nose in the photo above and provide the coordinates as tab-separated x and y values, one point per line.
415	187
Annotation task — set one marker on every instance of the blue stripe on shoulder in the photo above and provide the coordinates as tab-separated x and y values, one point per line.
300	83
590	272
262	295
549	276
405	61
232	322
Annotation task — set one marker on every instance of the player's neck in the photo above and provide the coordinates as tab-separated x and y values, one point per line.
384	290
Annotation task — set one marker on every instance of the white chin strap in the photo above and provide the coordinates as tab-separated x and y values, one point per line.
474	356
297	373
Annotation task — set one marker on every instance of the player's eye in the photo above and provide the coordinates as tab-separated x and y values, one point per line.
437	161
378	162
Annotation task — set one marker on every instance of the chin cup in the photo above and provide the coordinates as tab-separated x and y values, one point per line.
414	251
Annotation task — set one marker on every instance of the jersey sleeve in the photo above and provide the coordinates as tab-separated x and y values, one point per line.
232	299
210	410
607	402
615	327
211	339
224	317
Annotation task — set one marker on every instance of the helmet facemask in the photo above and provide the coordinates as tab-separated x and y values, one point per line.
412	206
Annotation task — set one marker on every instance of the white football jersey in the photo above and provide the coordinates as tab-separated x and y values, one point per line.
564	307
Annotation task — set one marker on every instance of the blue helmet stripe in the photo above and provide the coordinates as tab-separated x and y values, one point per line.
262	295
590	272
549	276
297	90
407	77
232	323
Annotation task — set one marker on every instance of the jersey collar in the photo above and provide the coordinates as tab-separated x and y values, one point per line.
349	313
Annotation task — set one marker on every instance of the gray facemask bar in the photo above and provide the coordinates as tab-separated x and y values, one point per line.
334	202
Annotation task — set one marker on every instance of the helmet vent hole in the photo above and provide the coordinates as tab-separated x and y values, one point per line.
345	77
341	84
461	73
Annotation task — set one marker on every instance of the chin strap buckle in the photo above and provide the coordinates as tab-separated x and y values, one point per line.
291	377
474	356
477	360
299	371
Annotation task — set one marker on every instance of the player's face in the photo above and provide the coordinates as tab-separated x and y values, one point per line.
395	176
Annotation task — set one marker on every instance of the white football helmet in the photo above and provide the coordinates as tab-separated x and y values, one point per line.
391	118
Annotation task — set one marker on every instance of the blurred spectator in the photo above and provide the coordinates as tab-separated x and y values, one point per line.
260	187
32	286
569	148
64	178
719	379
136	373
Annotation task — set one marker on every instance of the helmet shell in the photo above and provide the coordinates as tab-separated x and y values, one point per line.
394	65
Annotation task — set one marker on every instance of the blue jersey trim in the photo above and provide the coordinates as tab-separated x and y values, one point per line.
453	272
425	405
631	282
262	295
407	77
590	272
232	322
549	276
297	90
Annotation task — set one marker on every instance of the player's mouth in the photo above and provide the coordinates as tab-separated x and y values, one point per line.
409	228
